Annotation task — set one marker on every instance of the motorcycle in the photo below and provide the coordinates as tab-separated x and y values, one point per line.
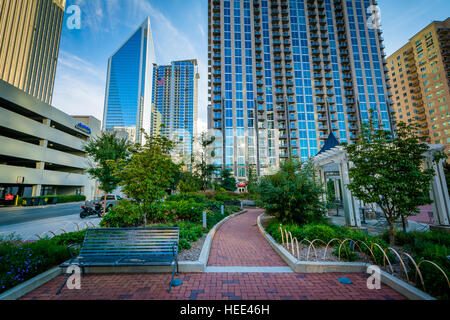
89	211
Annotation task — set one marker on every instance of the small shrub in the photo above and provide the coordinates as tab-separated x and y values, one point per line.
21	262
187	197
322	232
67	239
432	246
124	214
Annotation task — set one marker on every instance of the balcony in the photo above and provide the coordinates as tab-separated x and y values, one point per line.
348	85
317	75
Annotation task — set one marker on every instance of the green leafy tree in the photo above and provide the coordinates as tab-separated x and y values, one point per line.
149	172
252	185
227	180
293	194
189	182
203	168
388	171
103	149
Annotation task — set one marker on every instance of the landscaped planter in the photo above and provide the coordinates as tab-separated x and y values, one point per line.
399	285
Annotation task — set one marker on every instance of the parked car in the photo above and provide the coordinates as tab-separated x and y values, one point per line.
111	201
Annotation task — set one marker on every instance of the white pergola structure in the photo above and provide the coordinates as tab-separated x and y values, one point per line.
335	160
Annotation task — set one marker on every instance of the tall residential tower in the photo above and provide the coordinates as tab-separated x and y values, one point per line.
175	103
284	74
129	84
420	79
30	33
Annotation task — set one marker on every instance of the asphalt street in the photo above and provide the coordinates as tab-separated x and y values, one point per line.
15	215
38	222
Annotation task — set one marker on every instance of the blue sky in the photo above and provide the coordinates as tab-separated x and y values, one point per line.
180	32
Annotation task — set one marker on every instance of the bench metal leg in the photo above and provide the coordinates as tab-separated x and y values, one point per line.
65	281
173	274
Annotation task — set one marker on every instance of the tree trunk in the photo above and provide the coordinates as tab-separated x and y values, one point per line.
145	217
391	233
104	205
404	224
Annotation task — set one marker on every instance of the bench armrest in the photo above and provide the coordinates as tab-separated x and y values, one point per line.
72	246
174	246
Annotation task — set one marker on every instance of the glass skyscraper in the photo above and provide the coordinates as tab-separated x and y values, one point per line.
284	74
175	103
129	84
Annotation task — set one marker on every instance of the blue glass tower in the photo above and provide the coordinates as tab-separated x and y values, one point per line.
175	102
128	88
284	74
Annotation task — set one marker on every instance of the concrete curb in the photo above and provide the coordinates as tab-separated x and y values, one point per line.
30	285
395	283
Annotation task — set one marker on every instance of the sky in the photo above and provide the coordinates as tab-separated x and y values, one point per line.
180	32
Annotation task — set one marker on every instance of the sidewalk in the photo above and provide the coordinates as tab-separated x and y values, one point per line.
237	243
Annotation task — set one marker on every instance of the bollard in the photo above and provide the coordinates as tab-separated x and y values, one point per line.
204	219
242	205
222	210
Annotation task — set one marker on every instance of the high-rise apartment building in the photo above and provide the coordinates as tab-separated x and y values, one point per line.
420	79
30	33
284	74
175	103
129	84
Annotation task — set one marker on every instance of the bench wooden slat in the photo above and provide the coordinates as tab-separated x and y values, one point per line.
151	244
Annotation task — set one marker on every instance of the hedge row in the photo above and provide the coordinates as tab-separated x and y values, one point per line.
53	199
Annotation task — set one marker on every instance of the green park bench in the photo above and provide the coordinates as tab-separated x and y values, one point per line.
125	247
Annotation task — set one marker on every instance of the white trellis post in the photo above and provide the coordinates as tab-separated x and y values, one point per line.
324	182
337	156
351	207
337	191
439	190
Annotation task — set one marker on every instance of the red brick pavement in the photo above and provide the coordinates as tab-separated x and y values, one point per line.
236	243
239	243
217	286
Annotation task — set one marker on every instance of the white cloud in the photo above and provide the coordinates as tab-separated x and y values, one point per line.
79	87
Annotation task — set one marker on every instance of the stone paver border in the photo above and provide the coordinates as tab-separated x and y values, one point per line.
395	283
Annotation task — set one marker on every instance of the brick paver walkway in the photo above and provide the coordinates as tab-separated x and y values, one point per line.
217	286
239	243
